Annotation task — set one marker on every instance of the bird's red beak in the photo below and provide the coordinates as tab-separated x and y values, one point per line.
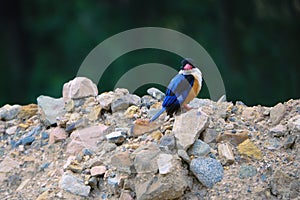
188	67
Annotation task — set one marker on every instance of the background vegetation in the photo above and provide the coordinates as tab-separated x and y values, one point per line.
255	44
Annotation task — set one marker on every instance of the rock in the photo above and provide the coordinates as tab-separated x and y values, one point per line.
86	138
50	108
93	182
199	149
289	141
209	135
125	196
141	127
207	170
283	185
22	185
156	93
187	128
79	123
9	112
117	137
98	170
249	149
168	186
156	135
147	101
28	111
79	87
57	134
105	99
11	130
94	113
122	162
8	164
234	138
166	163
294	124
74	185
121	103
75	167
145	160
183	154
43	196
247	171
132	111
277	113
272	144
249	114
279	130
167	143
27	140
197	103
225	152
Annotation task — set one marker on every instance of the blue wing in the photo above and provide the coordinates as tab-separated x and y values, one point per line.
178	90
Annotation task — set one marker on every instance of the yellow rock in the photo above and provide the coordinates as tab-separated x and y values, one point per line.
156	135
131	111
28	111
95	113
43	196
24	126
248	148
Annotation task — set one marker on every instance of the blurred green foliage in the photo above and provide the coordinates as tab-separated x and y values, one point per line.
255	44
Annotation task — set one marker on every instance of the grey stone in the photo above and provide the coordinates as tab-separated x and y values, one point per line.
9	112
145	160
199	149
122	162
187	128
247	171
289	141
105	99
294	124
183	154
50	108
197	103
74	185
27	140
156	93
277	113
167	186
284	186
272	144
209	135
79	87
167	143
166	163
207	170
121	103
117	137
279	130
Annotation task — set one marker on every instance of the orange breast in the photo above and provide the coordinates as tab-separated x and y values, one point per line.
194	92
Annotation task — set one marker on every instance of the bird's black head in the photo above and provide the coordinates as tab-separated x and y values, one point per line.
186	61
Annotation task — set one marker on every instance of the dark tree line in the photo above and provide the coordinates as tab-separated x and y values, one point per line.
255	44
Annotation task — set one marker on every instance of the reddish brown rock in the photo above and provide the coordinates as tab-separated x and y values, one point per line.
57	134
234	138
86	138
79	87
98	170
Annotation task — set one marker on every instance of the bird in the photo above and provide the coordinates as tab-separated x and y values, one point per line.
182	89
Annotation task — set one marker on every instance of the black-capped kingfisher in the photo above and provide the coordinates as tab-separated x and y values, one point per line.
182	89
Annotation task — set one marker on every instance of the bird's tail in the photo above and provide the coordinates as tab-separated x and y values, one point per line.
157	114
